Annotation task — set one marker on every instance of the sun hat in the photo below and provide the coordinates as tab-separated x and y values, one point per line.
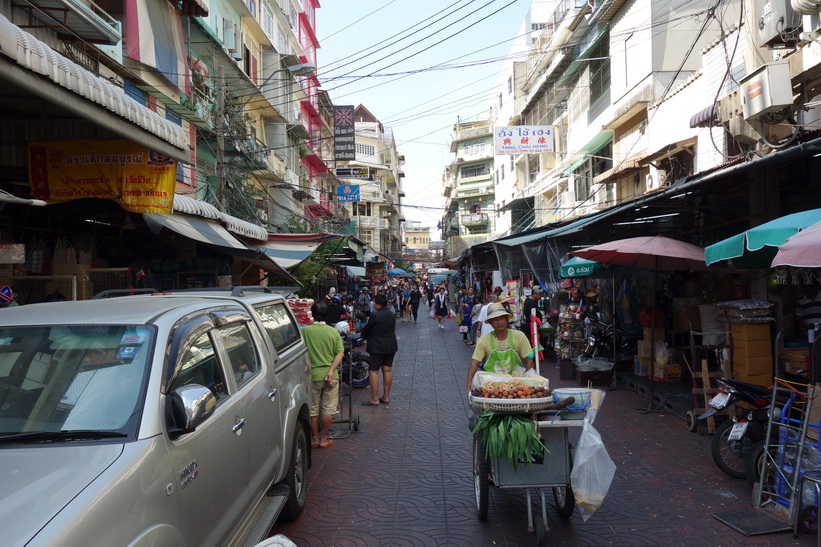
497	310
591	292
497	289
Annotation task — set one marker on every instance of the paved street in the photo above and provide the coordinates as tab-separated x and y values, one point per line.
405	479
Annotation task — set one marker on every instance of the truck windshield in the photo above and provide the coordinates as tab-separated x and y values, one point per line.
72	378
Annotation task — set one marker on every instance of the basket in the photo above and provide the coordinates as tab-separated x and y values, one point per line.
581	394
514	406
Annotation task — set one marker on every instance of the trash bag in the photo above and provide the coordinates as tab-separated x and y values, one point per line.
592	473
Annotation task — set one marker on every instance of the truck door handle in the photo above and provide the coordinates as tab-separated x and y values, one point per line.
238	426
272	393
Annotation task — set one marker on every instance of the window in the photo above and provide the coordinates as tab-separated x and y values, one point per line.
365	149
500	101
362	208
475	170
475	148
537	26
510	85
242	356
279	325
268	22
199	365
600	70
252	7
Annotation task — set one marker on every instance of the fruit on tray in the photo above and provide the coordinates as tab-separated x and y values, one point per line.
514	389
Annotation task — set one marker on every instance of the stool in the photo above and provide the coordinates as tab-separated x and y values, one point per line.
815	478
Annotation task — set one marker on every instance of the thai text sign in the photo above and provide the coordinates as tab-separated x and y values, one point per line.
139	179
344	133
348	192
524	139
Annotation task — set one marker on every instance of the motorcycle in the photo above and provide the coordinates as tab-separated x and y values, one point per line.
600	344
734	439
354	367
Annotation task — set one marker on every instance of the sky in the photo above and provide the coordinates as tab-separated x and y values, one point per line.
419	66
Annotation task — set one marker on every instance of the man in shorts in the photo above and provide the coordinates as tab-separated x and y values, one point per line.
380	332
325	352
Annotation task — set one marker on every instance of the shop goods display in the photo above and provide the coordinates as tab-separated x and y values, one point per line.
302	309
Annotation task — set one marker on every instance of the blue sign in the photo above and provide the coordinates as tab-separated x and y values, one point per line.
348	192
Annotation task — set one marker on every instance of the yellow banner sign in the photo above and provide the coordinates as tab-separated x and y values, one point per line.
139	179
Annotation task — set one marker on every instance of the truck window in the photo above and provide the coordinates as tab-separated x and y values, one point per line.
242	355
199	365
279	325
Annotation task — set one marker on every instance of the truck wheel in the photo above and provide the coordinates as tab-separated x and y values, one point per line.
295	479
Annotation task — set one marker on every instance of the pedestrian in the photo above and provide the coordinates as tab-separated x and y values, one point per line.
325	353
440	306
405	305
501	350
467	320
415	298
531	303
380	332
474	318
363	306
482	326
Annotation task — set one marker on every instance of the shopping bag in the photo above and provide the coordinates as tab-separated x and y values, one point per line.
592	473
463	329
459	319
431	314
451	314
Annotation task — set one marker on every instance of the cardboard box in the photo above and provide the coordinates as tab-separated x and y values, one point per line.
744	350
753	365
757	331
641	366
686	315
764	380
667	373
645	349
648	334
794	359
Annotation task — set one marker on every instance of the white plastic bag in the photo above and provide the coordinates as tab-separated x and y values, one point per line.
432	314
662	353
593	471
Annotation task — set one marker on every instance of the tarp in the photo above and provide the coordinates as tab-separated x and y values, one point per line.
289	250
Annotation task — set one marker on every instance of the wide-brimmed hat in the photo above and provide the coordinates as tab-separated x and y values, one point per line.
591	293
497	310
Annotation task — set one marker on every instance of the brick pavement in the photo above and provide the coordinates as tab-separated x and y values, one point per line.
405	478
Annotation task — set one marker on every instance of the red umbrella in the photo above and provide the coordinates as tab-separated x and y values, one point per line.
653	253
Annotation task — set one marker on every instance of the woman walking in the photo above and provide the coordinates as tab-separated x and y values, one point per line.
415	298
440	306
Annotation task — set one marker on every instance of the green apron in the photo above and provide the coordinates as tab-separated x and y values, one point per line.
502	361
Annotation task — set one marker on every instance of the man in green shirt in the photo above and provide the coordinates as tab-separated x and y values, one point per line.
501	350
325	352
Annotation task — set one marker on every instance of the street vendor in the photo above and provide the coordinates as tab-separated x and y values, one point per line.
501	350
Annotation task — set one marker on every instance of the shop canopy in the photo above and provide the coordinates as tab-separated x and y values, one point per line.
803	250
289	250
755	248
579	267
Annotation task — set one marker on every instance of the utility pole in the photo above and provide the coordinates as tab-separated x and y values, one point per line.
220	127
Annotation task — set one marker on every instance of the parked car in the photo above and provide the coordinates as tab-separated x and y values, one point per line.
152	420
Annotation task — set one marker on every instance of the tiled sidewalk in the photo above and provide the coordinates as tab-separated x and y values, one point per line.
405	478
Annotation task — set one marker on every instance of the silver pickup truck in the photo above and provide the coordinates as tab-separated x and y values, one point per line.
152	420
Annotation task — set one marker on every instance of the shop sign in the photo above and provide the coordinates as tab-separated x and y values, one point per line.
353	172
344	133
348	192
139	179
524	139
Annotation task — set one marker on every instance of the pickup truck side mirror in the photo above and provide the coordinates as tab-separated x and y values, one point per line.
189	406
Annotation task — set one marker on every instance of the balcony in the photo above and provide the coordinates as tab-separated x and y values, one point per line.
474	219
374	222
73	20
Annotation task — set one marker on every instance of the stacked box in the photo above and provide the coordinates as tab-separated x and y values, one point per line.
752	352
645	350
794	359
667	373
641	366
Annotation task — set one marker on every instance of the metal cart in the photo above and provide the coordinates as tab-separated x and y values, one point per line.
552	472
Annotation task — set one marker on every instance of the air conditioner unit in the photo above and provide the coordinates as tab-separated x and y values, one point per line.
657	181
229	35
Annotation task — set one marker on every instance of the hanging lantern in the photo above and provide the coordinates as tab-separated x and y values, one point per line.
466	202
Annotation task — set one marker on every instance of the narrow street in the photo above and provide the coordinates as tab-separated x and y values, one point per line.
405	477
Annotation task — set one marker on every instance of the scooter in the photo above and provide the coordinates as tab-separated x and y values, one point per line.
600	344
354	368
734	439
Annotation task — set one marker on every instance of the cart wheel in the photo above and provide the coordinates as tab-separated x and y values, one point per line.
356	423
808	519
690	421
481	472
565	501
538	529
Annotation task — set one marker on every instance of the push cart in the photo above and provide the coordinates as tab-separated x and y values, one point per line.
550	472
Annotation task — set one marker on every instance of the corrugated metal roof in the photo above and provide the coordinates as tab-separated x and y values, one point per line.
199	208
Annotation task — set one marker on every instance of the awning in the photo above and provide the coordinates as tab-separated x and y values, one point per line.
34	67
199	208
576	64
355	271
289	250
705	117
668	150
212	233
76	19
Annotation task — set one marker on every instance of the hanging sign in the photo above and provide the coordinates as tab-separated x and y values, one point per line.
524	139
344	133
348	192
139	179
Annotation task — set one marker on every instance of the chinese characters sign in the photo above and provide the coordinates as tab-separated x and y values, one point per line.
348	192
139	179
524	139
344	136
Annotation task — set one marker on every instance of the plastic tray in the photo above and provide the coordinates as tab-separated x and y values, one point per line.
510	405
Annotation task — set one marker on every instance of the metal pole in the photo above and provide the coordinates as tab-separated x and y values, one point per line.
220	151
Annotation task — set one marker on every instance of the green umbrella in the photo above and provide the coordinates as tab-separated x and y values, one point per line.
755	248
579	267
